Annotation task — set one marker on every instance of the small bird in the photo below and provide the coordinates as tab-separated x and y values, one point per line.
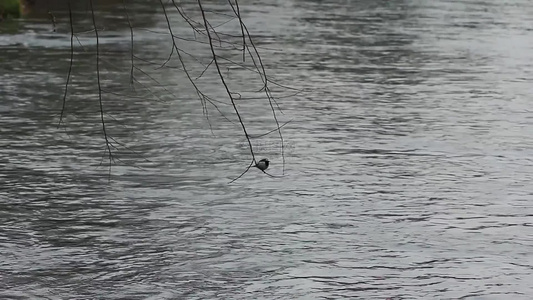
263	164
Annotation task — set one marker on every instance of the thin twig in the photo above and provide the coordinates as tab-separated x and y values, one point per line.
242	174
108	146
131	35
200	94
269	132
227	88
242	32
70	65
265	81
53	19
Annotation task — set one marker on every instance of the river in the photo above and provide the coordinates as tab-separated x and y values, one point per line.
406	171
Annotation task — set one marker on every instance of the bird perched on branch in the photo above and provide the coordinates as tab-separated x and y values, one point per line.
263	164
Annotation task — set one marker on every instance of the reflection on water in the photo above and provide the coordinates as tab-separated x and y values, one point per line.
408	162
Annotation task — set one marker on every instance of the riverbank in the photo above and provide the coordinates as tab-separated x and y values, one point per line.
10	9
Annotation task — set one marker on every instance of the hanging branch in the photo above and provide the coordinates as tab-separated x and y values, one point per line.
186	18
70	65
203	98
230	95
107	143
131	38
204	28
263	76
242	31
53	20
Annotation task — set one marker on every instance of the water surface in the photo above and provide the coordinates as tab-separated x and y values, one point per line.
407	169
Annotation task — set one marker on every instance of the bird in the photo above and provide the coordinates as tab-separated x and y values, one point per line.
263	164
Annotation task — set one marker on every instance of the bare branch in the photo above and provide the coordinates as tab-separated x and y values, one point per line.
131	35
265	81
230	95
70	64
108	145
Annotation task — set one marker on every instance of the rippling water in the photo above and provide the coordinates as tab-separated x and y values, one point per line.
408	170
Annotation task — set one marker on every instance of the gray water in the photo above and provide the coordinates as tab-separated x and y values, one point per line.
407	161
